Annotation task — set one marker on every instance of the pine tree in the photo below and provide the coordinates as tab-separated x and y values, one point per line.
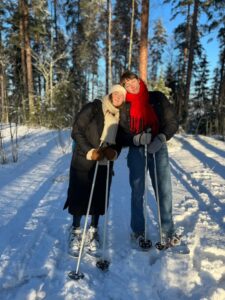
82	24
182	35
201	100
121	28
12	68
221	95
170	82
143	56
109	46
216	19
160	85
131	35
188	35
214	98
25	16
3	62
157	46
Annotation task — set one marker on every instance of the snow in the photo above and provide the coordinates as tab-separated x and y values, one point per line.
34	229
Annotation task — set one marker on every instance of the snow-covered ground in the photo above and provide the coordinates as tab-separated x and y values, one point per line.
34	229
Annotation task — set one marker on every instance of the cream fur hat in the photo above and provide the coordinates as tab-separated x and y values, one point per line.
118	88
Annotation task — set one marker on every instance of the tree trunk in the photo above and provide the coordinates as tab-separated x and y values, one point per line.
190	60
24	93
186	48
143	58
55	21
221	104
51	84
30	86
109	48
4	117
131	36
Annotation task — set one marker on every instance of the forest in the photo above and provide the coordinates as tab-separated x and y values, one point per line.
55	55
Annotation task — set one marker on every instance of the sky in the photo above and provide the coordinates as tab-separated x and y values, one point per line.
163	11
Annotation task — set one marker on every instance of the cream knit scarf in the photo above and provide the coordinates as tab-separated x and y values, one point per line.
111	121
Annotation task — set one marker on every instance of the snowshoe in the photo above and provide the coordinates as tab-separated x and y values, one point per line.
103	264
75	241
140	241
174	243
92	244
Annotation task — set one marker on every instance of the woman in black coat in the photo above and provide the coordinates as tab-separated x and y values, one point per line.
94	132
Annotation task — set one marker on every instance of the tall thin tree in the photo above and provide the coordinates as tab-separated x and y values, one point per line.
192	44
28	55
143	57
131	35
221	96
109	47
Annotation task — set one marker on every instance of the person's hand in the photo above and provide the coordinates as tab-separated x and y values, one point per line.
95	154
110	153
143	138
157	143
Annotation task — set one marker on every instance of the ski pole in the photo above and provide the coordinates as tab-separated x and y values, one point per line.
157	200
145	243
145	194
103	263
76	275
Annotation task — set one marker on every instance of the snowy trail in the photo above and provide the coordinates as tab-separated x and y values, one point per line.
34	229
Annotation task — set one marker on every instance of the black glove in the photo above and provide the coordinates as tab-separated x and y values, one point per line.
143	138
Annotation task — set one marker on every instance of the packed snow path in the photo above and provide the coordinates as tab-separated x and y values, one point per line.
34	229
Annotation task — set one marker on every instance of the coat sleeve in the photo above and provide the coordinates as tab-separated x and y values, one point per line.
80	126
168	119
124	135
124	138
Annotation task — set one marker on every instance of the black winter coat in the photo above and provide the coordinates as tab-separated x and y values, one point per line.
86	132
168	122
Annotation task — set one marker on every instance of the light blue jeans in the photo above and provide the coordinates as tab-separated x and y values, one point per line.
136	165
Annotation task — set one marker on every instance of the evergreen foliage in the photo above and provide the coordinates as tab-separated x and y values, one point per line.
53	59
157	48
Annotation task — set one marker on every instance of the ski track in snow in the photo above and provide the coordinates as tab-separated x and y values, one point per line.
34	229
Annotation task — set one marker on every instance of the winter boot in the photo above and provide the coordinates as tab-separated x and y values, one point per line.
75	241
170	240
92	241
175	239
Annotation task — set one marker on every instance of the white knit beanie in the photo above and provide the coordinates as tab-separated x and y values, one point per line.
118	88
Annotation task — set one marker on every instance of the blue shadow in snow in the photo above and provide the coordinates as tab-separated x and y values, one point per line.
177	171
207	161
211	147
24	213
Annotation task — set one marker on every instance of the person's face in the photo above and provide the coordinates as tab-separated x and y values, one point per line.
132	86
117	98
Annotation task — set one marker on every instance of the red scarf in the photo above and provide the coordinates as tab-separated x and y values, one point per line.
142	114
